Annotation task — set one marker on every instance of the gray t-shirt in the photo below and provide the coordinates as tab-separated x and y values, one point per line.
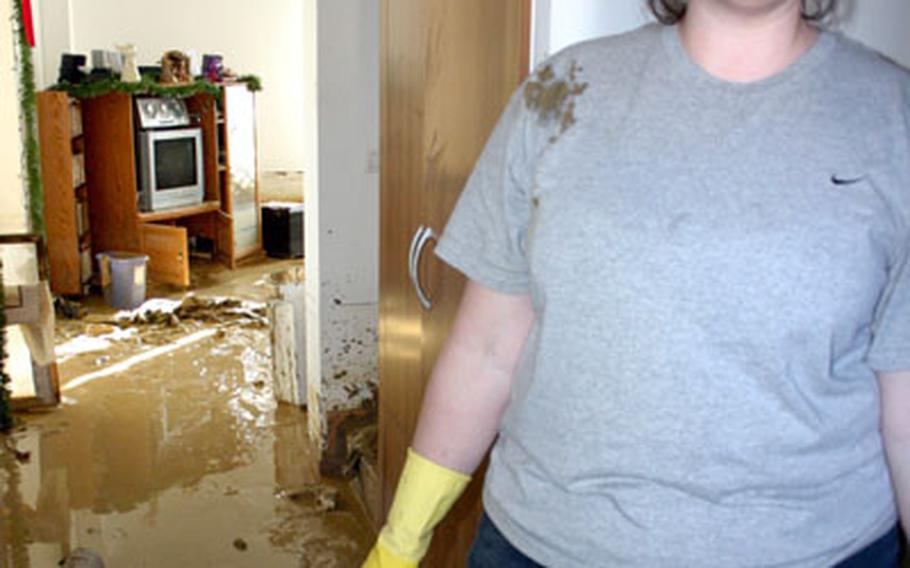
717	272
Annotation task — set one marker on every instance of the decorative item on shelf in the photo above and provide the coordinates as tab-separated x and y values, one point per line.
228	75
72	68
105	59
97	74
175	68
130	72
195	63
213	68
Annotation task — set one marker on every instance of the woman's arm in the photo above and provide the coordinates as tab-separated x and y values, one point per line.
470	385
464	401
895	391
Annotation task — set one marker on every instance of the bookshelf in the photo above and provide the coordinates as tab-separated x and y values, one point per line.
66	196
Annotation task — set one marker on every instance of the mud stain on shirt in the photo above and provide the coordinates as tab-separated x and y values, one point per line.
552	98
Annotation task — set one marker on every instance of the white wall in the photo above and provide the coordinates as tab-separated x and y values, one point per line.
881	24
560	23
13	216
342	201
263	38
53	36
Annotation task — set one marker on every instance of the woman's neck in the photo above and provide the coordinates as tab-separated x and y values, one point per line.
742	45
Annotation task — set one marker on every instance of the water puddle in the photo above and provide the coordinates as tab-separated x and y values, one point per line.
181	459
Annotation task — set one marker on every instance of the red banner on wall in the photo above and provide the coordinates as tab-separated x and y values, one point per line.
27	21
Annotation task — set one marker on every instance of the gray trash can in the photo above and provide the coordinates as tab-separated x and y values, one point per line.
123	276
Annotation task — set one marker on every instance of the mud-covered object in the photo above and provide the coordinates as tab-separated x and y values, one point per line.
717	271
82	558
199	309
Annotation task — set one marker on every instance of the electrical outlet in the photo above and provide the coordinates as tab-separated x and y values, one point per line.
373	162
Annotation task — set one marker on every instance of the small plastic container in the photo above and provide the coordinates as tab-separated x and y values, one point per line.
123	277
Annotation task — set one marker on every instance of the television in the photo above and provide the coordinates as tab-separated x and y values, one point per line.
171	173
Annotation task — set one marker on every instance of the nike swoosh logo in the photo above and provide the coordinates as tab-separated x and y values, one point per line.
845	181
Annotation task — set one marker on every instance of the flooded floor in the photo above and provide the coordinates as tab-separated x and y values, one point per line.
174	456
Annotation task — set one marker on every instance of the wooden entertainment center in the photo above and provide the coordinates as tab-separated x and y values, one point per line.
228	218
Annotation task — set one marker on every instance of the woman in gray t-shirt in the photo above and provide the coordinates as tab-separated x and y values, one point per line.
687	322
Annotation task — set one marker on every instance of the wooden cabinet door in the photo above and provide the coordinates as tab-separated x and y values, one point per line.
56	137
168	252
448	70
243	188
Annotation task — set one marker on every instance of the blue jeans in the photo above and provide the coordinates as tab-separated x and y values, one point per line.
492	550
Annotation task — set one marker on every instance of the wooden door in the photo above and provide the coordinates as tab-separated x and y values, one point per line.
448	69
167	249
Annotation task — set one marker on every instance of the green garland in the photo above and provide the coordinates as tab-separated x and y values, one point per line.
253	82
91	88
148	85
28	102
28	108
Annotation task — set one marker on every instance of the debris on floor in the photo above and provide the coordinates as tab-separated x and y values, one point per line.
287	322
197	309
315	497
82	558
363	443
156	322
294	275
68	309
20	456
363	455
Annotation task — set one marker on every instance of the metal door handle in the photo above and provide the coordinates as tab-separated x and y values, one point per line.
421	238
412	250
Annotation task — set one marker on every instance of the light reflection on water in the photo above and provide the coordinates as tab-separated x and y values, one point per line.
173	463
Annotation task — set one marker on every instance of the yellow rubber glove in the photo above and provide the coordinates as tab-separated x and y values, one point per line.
426	492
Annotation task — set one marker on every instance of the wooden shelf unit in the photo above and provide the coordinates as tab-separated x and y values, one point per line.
66	199
89	166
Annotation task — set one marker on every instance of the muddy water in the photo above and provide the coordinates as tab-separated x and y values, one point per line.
181	460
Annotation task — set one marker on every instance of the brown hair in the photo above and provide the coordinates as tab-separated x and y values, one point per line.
670	12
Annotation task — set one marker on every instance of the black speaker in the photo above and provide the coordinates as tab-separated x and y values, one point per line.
71	68
282	230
